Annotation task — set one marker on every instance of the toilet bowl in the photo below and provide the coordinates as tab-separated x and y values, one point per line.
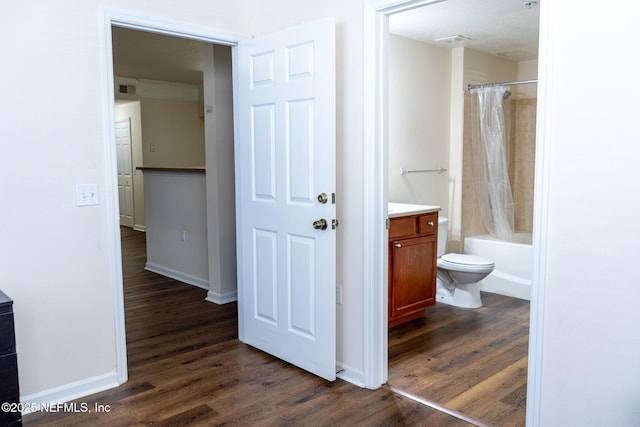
458	275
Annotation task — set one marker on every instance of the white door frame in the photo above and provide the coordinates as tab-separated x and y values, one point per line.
111	17
377	13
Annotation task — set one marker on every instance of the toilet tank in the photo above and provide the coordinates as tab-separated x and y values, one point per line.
443	229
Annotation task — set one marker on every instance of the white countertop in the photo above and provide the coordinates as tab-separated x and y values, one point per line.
403	209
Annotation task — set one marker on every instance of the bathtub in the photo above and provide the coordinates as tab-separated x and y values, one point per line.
512	274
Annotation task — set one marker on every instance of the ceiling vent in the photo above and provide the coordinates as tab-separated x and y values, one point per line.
128	89
456	38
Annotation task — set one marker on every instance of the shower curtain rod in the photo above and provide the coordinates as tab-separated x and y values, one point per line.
521	82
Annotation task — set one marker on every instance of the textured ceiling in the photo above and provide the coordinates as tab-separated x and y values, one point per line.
143	55
507	28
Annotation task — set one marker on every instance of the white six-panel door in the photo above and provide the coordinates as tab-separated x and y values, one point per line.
285	160
125	172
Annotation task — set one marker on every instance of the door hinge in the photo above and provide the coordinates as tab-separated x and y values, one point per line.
387	223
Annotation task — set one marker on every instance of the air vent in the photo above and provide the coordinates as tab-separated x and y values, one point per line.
128	89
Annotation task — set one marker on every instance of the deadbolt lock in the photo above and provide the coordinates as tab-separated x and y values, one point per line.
323	198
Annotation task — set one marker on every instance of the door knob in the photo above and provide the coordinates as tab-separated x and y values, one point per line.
323	198
320	224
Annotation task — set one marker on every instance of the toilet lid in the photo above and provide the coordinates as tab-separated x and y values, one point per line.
465	259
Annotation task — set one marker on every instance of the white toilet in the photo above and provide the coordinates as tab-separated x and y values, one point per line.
458	275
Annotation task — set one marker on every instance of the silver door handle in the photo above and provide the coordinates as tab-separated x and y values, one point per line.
320	224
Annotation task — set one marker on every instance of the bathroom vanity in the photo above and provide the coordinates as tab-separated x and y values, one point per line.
413	236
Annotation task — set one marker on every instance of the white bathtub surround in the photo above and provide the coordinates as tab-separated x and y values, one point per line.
513	261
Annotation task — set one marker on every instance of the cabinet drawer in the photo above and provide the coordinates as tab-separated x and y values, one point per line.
9	378
7	335
403	226
428	224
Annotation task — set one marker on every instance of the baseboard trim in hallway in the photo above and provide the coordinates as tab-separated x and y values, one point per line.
436	406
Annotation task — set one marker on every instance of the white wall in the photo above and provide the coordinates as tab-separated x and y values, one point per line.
483	68
176	234
56	256
55	262
590	167
218	117
172	122
173	133
419	112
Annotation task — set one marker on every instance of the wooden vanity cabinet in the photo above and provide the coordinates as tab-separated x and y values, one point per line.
412	266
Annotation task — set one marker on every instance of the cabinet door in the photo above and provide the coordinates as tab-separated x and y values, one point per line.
412	277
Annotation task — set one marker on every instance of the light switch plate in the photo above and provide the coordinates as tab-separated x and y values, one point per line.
87	194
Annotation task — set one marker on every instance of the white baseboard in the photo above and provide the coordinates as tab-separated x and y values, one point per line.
69	392
177	275
139	227
220	299
354	376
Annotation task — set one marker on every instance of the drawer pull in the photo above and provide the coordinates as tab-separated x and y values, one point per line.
430	223
397	245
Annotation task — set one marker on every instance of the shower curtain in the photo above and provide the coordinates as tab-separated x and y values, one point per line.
491	176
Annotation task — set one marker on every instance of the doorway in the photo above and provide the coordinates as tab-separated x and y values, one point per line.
297	44
379	180
135	22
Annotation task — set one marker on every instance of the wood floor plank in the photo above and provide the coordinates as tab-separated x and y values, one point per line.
187	366
470	360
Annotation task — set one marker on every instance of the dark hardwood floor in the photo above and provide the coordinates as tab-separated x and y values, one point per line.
186	366
470	360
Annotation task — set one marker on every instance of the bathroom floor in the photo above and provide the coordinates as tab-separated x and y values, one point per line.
473	361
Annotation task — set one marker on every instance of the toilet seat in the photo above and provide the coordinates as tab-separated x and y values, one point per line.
465	263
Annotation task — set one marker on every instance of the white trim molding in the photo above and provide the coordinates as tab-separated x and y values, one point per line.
69	392
544	117
177	275
220	299
349	374
376	17
111	198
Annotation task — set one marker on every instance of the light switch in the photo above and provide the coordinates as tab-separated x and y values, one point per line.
87	194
